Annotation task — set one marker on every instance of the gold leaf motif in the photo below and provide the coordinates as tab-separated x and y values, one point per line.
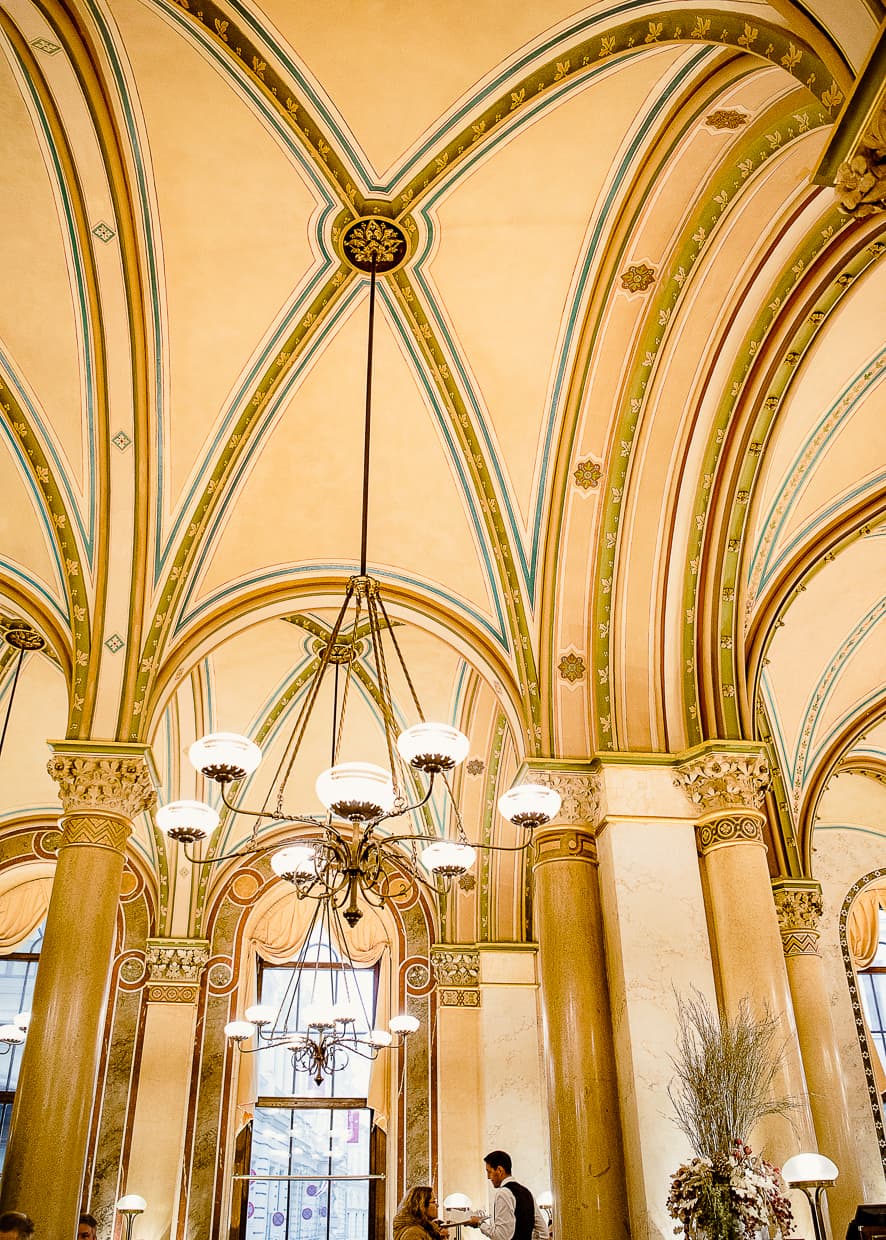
792	57
221	29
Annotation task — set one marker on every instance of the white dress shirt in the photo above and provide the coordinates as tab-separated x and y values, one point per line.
504	1217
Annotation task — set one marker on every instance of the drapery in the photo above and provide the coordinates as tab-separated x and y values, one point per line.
276	938
22	908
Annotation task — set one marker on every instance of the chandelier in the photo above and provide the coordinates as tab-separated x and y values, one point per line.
350	851
322	1017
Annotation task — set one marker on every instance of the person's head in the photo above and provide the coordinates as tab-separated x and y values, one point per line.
498	1167
419	1203
87	1228
14	1225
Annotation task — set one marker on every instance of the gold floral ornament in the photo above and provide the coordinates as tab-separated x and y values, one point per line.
373	242
587	474
475	766
726	118
638	277
572	667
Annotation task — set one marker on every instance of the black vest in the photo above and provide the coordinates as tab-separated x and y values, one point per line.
524	1209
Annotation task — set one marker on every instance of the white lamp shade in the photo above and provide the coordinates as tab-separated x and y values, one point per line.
320	1016
260	1014
22	1020
448	858
403	1023
809	1169
224	751
187	820
356	790
132	1204
433	746
237	1030
546	1199
530	805
297	861
12	1035
380	1037
457	1201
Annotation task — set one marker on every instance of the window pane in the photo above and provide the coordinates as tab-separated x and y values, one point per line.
879	961
309	1143
17	979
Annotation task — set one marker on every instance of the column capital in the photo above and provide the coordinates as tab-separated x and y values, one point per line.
722	778
457	970
174	969
98	780
578	783
564	843
798	904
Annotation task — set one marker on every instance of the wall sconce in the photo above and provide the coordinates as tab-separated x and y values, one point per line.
129	1206
458	1204
812	1174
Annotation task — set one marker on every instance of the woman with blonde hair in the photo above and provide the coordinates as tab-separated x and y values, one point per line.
415	1218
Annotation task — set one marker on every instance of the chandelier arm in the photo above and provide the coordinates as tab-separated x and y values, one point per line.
272	815
247	852
406	809
18	668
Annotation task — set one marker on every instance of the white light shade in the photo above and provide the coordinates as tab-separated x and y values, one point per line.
224	751
356	790
12	1035
530	805
433	746
403	1023
239	1029
809	1169
260	1014
380	1037
320	1016
132	1204
297	861
457	1201
448	858
347	1011
546	1199
186	820
22	1020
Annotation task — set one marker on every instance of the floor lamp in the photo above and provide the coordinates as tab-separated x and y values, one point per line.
129	1206
812	1174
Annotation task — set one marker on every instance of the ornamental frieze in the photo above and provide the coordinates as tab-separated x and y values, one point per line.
799	908
100	830
580	793
174	969
456	966
116	784
730	829
724	781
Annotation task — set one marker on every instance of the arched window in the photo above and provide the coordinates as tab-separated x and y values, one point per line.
18	972
872	986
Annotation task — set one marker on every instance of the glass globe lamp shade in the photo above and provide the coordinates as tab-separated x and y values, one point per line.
357	791
260	1014
320	1016
809	1169
346	1011
186	821
12	1035
457	1201
380	1037
433	747
22	1020
403	1023
546	1200
447	858
295	862
239	1030
132	1204
223	756
530	805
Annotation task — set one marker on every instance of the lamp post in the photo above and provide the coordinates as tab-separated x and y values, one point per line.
129	1206
812	1174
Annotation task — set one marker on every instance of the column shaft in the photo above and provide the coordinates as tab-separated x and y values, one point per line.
587	1160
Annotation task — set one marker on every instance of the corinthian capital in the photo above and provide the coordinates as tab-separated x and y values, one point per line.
718	782
799	906
580	792
103	780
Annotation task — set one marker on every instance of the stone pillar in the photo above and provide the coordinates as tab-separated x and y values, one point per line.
102	788
459	1059
726	784
587	1159
799	907
158	1129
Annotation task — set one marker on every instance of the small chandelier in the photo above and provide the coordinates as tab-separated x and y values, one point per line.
322	1032
326	860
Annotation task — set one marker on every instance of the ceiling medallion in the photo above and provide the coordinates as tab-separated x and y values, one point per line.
23	638
373	241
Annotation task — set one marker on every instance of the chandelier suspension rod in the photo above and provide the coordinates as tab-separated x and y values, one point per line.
368	420
18	668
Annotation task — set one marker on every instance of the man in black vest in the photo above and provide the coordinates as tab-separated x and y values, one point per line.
515	1216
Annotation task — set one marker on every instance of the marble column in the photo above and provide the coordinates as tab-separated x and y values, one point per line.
158	1129
587	1158
101	788
726	784
799	907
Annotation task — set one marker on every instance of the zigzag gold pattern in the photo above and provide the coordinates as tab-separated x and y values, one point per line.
800	942
100	830
730	829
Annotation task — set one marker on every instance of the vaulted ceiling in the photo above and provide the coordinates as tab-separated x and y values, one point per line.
629	443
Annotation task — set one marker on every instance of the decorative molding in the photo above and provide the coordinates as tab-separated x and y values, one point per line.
456	966
459	998
716	781
580	792
861	179
729	829
119	783
857	1011
564	844
572	667
799	907
99	830
174	969
726	118
587	474
637	278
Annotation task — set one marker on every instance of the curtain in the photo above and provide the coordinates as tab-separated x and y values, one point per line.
277	938
22	908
